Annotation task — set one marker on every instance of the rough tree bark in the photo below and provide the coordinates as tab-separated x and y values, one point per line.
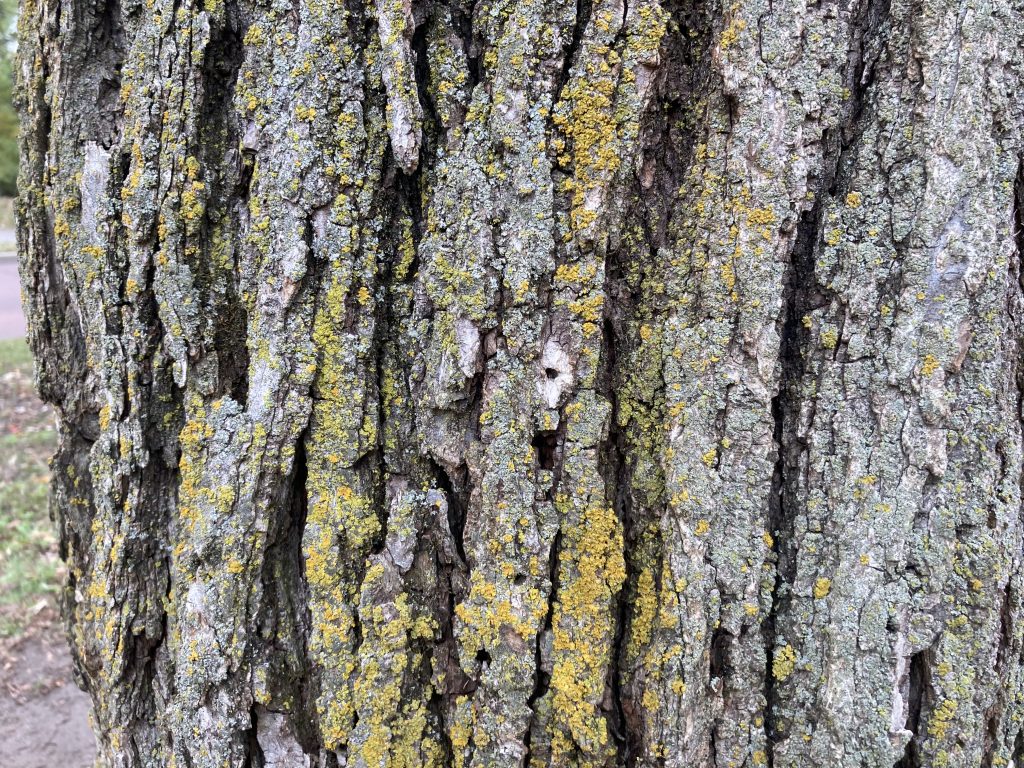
533	382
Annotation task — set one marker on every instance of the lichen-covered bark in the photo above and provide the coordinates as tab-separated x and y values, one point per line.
534	383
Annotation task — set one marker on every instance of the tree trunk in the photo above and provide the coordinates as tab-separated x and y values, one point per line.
532	382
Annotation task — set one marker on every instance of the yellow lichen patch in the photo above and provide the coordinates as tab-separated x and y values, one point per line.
943	715
651	701
784	662
193	494
342	522
595	115
731	34
461	730
340	526
930	365
592	572
822	587
392	729
192	204
728	276
761	216
486	611
646	609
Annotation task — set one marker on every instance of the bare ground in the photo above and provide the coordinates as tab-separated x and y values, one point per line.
43	715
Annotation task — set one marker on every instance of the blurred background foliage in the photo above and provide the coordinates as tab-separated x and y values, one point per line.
8	118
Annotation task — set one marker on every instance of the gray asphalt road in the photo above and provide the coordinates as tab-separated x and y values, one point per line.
12	321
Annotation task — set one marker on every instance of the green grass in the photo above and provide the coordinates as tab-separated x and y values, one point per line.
6	213
30	571
15	356
7	245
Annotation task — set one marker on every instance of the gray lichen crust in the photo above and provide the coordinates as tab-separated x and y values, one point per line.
534	383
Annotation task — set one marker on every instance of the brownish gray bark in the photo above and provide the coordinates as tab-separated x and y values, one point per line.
495	383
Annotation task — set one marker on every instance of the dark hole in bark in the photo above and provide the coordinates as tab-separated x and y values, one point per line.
545	443
918	676
456	507
483	656
551	373
720	653
256	756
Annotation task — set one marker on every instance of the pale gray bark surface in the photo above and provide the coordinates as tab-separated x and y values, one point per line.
534	383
